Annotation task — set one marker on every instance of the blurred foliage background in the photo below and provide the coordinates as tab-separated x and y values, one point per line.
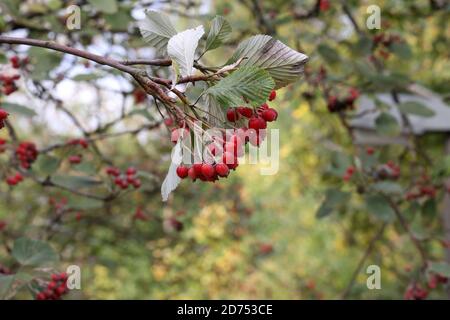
246	237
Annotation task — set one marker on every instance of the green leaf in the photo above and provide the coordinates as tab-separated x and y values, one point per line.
14	108
34	253
388	187
181	48
441	268
83	203
157	29
251	83
106	6
46	165
75	182
284	64
401	49
334	199
429	208
43	62
387	125
379	207
328	53
218	33
363	46
415	108
6	282
87	77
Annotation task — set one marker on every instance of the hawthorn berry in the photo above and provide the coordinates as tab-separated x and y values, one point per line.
182	171
222	169
197	169
257	123
370	151
245	111
131	171
207	170
232	115
3	114
113	171
192	174
269	115
272	95
27	153
76	159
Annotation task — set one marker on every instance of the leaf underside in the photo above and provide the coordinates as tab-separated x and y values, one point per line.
284	64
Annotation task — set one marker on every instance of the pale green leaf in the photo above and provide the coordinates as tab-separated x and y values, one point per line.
157	29
415	108
15	108
181	48
284	64
219	32
29	252
250	83
106	6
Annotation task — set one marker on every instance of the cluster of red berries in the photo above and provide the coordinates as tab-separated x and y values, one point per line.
349	173
27	153
3	116
17	63
388	171
257	118
8	80
226	149
436	279
424	188
123	181
79	142
336	104
415	292
383	41
14	180
55	289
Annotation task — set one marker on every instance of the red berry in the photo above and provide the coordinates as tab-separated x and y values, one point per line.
370	150
11	181
257	123
3	114
15	62
222	169
18	177
207	170
168	122
270	115
272	95
40	296
192	174
131	171
245	111
324	5
197	169
52	285
113	171
182	171
75	159
232	115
